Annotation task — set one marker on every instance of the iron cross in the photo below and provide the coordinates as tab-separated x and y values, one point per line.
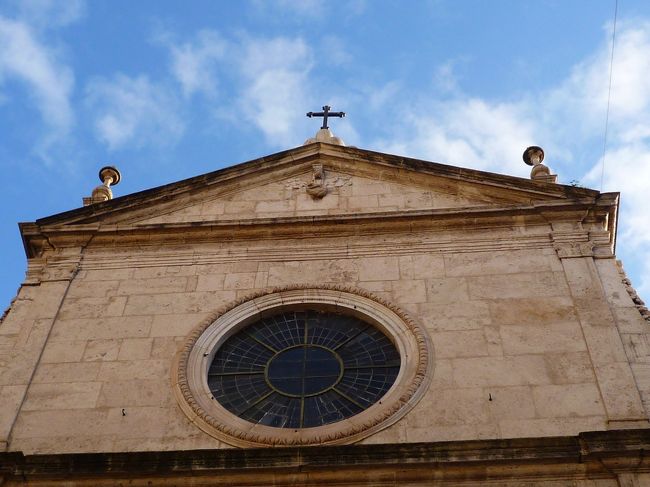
325	114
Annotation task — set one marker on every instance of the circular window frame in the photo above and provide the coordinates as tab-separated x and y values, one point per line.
189	373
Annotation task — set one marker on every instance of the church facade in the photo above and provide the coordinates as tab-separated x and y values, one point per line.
328	315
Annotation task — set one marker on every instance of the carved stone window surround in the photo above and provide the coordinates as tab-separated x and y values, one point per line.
195	399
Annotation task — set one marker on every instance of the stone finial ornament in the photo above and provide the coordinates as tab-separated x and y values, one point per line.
533	156
108	175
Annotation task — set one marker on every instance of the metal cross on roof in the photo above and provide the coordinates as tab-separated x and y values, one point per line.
325	114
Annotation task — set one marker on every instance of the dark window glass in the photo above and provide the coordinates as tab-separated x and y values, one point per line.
302	369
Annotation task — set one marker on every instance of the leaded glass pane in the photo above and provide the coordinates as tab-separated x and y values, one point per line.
302	369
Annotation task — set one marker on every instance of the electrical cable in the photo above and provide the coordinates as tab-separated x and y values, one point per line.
609	95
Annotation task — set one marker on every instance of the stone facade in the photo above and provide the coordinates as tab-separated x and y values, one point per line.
532	330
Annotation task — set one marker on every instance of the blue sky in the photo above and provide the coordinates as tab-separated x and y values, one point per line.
167	90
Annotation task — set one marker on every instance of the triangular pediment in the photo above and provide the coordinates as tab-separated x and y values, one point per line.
341	193
316	180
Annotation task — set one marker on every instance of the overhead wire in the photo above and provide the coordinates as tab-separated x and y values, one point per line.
609	95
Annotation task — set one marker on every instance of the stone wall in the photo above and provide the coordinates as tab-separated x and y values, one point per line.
347	194
510	332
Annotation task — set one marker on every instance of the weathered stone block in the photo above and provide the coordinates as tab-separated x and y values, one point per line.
106	328
239	208
210	282
561	401
67	372
457	315
212	208
135	349
313	271
511	402
61	423
101	350
618	388
378	268
504	262
166	347
363	202
152	286
409	291
175	325
278	206
10	399
629	320
240	280
500	371
421	266
84	288
63	351
305	203
126	393
527	428
447	290
147	422
560	337
135	369
92	307
569	368
460	406
517	286
532	310
366	187
637	346
453	344
67	395
177	303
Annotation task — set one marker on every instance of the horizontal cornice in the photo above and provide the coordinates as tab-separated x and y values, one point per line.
588	455
39	236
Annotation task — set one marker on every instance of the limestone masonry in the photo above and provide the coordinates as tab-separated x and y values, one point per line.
529	350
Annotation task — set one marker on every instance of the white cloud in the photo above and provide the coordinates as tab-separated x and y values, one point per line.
194	64
133	111
333	50
50	13
567	120
444	78
467	132
267	80
627	162
24	58
275	86
378	98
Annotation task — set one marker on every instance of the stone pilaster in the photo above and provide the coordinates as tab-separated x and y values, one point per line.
614	376
25	329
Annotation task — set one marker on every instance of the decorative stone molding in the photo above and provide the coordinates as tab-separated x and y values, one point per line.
588	459
636	299
568	250
329	184
317	189
195	399
603	244
44	270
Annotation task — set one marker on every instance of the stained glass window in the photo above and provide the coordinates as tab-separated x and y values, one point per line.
302	369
